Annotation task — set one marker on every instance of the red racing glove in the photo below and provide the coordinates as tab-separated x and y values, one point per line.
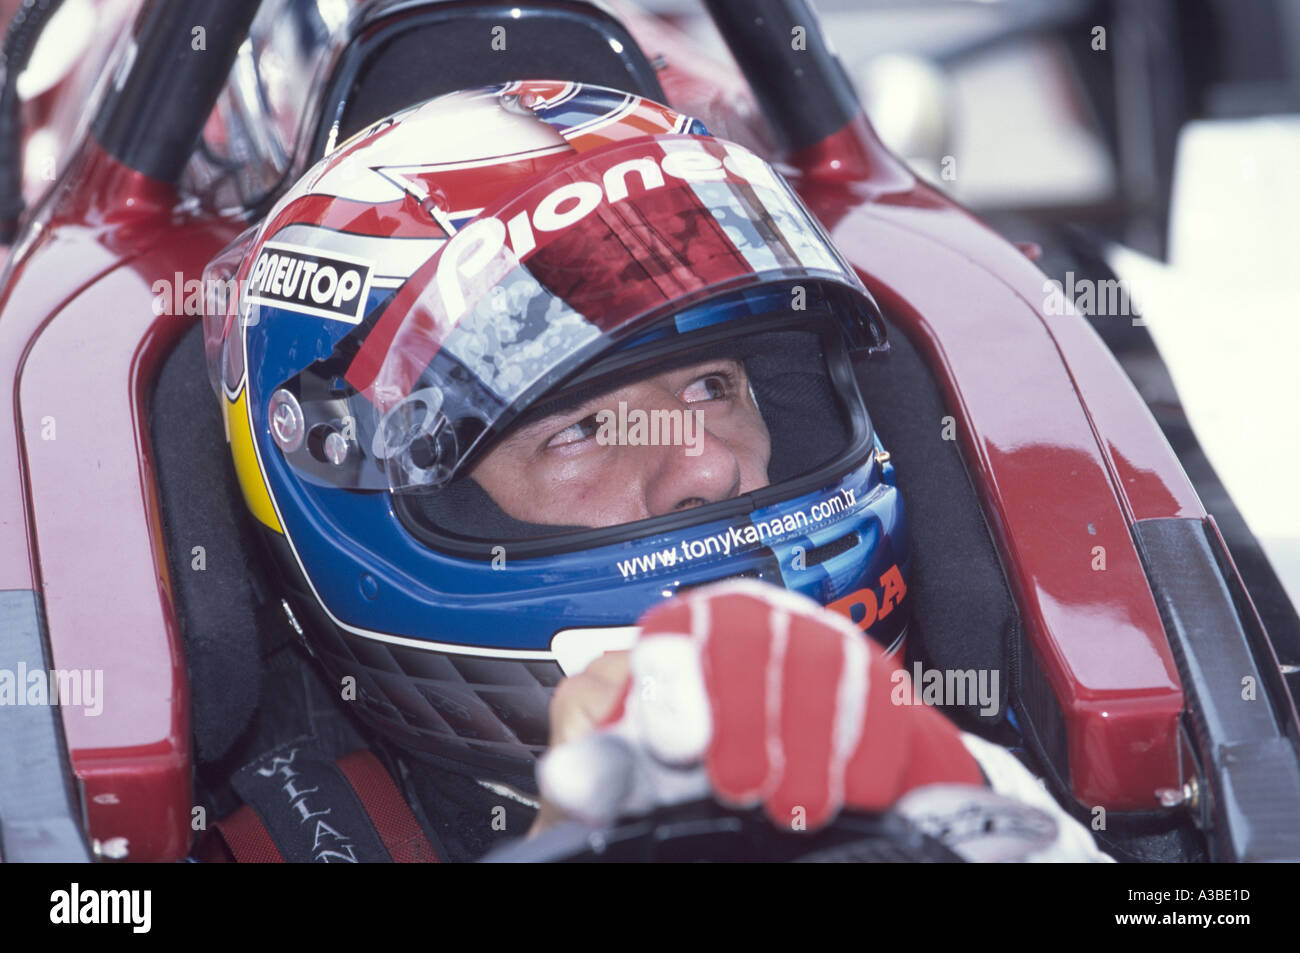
761	696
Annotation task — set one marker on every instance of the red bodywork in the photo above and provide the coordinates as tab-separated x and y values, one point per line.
1060	447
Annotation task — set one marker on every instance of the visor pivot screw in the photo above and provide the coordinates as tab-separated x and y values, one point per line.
336	448
369	586
286	421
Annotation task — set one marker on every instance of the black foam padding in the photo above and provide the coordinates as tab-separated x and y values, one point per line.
804	420
202	506
963	615
446	49
297	700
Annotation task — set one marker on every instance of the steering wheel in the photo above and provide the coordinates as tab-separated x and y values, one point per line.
706	831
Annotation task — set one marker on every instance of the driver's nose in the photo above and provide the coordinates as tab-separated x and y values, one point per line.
678	480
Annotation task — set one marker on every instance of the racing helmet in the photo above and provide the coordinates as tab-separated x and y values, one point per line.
489	270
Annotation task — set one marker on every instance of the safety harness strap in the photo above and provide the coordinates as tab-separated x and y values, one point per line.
246	838
301	807
388	810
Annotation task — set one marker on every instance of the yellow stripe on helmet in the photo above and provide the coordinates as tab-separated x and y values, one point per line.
251	480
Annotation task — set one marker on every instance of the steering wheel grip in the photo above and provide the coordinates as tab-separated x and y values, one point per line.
707	831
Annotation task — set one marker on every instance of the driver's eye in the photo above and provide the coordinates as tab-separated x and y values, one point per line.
584	429
713	387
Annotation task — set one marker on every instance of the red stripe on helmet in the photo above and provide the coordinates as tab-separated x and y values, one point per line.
615	233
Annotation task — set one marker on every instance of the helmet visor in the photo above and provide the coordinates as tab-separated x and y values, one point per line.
534	292
522	298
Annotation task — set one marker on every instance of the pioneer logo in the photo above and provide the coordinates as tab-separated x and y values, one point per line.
466	257
305	280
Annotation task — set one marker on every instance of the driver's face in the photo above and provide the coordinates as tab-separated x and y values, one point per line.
564	469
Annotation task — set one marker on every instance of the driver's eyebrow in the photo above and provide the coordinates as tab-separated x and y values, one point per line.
535	417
